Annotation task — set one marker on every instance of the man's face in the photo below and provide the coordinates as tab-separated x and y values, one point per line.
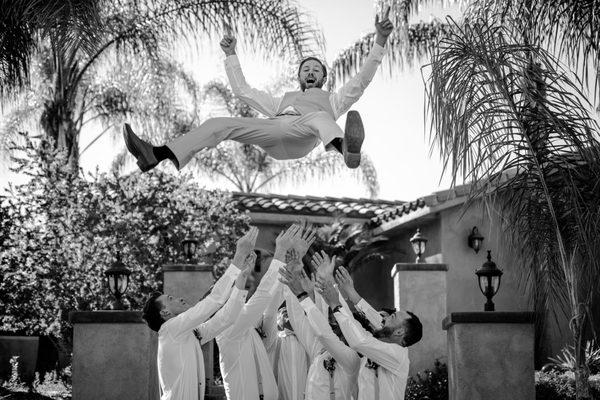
251	284
172	306
311	75
395	320
283	321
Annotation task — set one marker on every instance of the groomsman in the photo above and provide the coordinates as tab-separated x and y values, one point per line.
384	368
245	366
334	366
179	358
287	355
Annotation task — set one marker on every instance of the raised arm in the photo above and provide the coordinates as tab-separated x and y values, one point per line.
301	326
269	318
257	99
253	309
390	356
227	315
346	286
348	94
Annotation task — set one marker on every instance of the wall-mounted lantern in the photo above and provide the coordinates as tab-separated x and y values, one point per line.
419	243
475	240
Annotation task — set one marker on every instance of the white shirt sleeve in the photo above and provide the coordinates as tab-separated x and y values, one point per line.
301	326
190	319
252	311
344	355
260	100
372	315
224	317
347	95
390	356
269	320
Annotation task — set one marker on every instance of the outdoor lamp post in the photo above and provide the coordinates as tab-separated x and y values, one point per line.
190	245
118	281
488	277
475	239
419	243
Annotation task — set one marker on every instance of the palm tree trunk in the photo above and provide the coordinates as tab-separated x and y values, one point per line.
582	372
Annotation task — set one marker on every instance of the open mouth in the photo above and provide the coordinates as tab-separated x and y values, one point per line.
311	81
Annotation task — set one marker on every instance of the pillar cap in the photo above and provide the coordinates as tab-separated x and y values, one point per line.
488	317
187	268
106	317
418	267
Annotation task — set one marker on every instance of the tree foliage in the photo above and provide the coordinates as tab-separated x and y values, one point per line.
65	231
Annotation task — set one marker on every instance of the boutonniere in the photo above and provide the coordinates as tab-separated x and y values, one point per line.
329	364
372	364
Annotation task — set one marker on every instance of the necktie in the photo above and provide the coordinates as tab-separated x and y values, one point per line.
375	367
329	365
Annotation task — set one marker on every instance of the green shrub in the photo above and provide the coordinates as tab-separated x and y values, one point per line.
430	384
65	231
557	386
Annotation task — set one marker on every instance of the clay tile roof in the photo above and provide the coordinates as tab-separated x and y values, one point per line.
311	205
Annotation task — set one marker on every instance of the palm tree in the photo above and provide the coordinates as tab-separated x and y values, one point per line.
250	169
22	23
148	29
508	117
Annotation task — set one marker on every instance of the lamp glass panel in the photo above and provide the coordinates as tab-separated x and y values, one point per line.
112	284
476	244
483	282
416	247
495	283
193	247
422	246
122	283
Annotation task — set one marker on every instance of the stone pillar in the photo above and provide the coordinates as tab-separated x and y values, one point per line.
192	281
490	355
421	289
114	356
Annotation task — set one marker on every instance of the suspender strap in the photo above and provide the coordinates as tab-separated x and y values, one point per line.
276	363
261	394
376	383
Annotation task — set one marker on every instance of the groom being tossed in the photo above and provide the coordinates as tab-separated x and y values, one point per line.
295	123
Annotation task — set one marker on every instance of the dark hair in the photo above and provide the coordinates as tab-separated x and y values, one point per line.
413	330
151	312
316	59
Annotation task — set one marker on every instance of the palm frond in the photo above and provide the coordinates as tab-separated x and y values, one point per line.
22	23
568	28
401	53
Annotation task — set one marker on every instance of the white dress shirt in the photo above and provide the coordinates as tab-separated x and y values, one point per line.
241	348
179	358
287	355
347	361
392	360
341	100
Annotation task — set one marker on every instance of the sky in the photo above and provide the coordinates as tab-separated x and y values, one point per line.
392	109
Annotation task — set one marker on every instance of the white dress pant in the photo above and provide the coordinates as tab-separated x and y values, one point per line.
283	138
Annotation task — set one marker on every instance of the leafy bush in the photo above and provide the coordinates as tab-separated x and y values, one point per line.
566	360
53	386
556	386
65	231
430	384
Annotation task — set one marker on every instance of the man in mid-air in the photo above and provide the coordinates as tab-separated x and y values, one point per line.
295	123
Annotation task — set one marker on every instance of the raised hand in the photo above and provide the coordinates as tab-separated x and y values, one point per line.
384	27
291	280
244	246
285	241
228	42
308	285
306	239
346	285
328	291
240	282
324	265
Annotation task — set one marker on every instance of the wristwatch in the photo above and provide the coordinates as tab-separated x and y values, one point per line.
302	295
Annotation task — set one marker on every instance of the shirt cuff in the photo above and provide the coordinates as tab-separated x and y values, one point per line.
377	51
239	293
232	271
233	61
307	304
